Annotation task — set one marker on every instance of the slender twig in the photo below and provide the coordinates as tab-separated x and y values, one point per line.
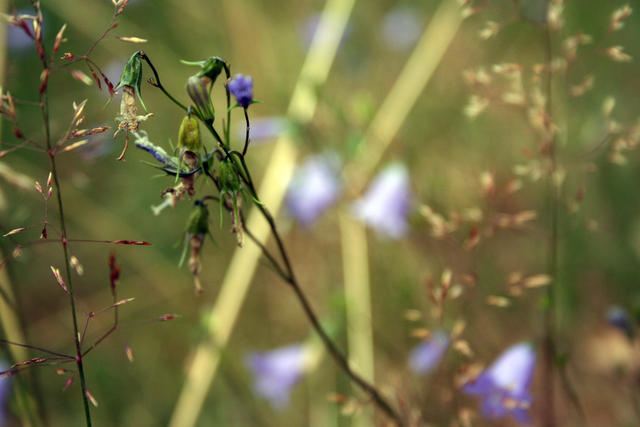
44	105
33	347
157	83
288	275
246	137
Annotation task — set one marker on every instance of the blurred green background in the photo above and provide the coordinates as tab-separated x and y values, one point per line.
445	151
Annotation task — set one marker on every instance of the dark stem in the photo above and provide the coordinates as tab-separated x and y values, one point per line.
246	137
227	72
44	105
157	82
287	274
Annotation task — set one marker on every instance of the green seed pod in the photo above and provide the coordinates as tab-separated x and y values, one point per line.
229	179
199	94
210	68
198	223
132	75
189	134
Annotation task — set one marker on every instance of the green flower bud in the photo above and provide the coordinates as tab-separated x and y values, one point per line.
210	68
199	94
132	76
228	177
189	134
198	223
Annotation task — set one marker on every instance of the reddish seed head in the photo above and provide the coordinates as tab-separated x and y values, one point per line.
68	383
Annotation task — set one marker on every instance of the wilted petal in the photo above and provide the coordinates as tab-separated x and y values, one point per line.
276	372
425	357
314	188
386	203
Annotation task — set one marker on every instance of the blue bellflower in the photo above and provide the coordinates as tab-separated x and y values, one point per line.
314	188
241	87
425	356
276	372
385	205
504	386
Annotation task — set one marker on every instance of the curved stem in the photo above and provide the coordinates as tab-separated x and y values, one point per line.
287	274
158	83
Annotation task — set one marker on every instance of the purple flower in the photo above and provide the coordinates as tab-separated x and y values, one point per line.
242	89
401	28
5	390
619	318
504	386
425	356
276	372
263	128
385	205
314	188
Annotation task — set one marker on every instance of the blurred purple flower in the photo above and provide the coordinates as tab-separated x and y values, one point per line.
401	28
425	356
263	128
276	372
5	390
385	205
314	188
504	386
17	39
619	318
241	87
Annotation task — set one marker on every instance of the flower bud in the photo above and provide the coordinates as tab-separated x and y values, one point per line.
189	134
199	94
132	75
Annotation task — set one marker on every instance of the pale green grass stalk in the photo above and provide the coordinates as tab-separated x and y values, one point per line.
355	272
222	317
405	91
8	317
410	84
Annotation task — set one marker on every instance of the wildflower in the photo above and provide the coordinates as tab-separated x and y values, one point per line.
130	82
401	28
313	189
385	205
504	386
241	87
619	318
425	356
276	372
